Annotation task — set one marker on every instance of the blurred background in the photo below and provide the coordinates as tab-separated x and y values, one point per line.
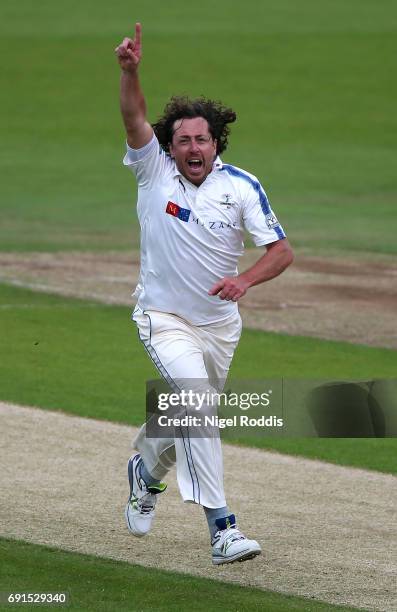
313	84
314	87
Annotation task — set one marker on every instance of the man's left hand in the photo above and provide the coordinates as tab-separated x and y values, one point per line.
230	288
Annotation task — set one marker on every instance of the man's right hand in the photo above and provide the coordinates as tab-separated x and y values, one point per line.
129	53
132	101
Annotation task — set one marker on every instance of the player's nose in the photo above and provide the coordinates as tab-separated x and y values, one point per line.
194	148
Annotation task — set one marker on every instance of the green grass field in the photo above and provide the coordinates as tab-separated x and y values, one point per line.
101	585
314	89
85	358
312	84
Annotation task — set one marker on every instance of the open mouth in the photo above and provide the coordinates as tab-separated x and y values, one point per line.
195	164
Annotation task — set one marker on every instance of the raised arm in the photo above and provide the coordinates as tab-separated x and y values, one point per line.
132	102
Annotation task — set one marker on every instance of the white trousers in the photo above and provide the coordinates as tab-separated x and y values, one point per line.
181	351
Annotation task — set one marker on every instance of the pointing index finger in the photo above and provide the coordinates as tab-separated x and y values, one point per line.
138	32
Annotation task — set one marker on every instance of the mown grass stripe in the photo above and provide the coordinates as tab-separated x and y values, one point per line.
97	584
85	358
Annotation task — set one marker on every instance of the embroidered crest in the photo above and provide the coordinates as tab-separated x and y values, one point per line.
271	220
227	200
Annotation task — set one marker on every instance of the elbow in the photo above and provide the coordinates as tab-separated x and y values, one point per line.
287	255
281	254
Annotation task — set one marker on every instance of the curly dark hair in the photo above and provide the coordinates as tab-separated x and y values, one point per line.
182	107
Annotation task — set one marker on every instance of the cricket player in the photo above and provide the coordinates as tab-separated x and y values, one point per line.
192	210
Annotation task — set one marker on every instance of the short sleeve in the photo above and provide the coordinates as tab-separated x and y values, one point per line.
148	163
259	218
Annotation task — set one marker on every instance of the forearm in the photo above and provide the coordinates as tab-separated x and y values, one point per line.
132	101
276	259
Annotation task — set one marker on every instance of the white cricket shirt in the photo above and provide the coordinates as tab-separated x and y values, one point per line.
191	237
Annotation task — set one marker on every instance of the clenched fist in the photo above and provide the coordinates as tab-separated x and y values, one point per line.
230	288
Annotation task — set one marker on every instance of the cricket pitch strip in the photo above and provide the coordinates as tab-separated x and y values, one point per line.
326	531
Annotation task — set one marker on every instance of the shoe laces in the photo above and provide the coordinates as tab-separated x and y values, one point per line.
146	503
231	534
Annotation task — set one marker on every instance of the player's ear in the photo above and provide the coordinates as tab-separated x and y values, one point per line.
171	150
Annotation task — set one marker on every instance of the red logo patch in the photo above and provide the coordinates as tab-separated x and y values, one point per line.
172	209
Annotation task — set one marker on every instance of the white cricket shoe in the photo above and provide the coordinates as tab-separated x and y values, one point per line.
139	511
229	544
